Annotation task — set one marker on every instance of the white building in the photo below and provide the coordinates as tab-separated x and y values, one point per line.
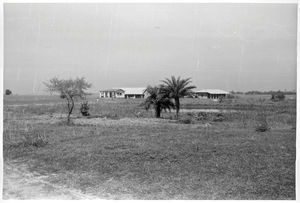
112	93
127	93
211	93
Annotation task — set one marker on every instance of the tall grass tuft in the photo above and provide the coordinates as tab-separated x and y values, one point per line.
262	124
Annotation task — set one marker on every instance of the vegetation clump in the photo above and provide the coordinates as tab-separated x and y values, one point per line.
35	138
187	120
262	126
84	109
176	89
278	96
158	99
70	90
202	116
173	150
8	92
221	99
219	117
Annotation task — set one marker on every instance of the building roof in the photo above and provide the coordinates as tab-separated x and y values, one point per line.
212	91
112	90
133	90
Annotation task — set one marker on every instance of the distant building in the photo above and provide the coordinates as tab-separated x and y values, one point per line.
211	93
127	93
111	93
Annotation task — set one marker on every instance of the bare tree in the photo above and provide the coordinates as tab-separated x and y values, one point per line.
69	90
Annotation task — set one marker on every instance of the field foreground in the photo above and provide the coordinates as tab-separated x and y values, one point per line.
126	154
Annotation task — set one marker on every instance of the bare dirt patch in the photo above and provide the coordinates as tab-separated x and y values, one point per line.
20	183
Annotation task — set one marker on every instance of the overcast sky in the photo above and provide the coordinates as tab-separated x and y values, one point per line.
237	47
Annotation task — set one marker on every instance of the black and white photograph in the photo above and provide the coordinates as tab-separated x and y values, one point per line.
149	101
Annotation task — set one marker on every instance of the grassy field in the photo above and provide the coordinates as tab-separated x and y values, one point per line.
125	153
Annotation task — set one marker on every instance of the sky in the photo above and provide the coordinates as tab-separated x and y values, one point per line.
230	46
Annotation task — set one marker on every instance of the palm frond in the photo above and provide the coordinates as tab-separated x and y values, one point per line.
157	98
177	87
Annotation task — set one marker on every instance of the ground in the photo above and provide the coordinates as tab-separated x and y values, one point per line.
20	183
124	153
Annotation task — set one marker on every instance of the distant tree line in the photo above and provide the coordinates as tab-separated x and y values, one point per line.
264	92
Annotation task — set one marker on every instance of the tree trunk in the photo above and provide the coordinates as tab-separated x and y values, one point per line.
157	111
177	105
69	118
70	108
68	105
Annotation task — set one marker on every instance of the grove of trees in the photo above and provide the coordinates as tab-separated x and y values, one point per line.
161	96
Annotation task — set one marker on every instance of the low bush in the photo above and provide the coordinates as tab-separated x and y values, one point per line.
261	122
219	117
262	127
278	96
202	116
35	138
231	96
111	116
84	108
292	120
221	99
186	120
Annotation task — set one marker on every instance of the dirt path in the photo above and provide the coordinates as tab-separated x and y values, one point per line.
19	183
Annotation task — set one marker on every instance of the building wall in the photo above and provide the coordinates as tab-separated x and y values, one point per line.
102	94
210	96
120	95
134	96
113	94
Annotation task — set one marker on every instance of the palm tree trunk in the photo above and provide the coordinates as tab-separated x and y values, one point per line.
177	105
157	111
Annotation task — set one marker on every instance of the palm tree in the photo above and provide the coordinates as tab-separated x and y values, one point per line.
176	89
158	100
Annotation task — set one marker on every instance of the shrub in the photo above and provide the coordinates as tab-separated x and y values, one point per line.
244	117
138	114
8	92
185	120
278	96
190	114
84	109
219	117
261	122
221	99
113	116
292	120
202	116
230	96
35	138
262	127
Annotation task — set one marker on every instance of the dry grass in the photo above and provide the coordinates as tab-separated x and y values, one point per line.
139	157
